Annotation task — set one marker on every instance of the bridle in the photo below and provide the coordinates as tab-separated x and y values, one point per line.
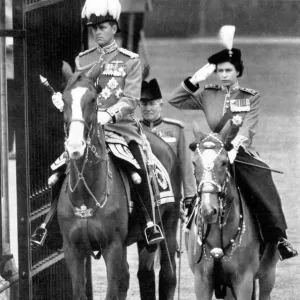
83	211
209	178
209	166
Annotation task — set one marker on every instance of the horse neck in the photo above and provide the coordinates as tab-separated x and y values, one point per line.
234	208
93	174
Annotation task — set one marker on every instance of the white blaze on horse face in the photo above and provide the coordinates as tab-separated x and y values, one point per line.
208	157
209	198
75	143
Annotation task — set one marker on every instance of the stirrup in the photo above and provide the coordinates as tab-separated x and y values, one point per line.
40	234
159	236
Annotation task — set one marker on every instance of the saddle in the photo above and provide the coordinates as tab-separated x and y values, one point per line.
118	147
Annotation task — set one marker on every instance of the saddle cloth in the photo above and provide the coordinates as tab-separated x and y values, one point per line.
164	183
118	146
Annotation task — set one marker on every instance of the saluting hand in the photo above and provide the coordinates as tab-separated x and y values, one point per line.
103	117
202	73
232	155
58	101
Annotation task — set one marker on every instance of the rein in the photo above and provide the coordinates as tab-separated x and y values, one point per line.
83	211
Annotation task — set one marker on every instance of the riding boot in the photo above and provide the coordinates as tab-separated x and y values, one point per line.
40	234
152	231
265	202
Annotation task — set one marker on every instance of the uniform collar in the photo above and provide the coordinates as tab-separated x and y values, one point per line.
233	88
108	49
152	124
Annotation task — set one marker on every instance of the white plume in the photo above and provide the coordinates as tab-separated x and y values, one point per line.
101	8
114	8
226	35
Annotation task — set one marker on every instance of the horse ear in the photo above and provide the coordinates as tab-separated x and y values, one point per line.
232	132
94	72
225	130
66	70
193	146
197	131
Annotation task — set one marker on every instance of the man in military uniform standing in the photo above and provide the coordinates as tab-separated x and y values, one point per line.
119	82
171	131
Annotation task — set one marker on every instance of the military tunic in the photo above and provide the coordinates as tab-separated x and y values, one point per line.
172	132
214	101
120	78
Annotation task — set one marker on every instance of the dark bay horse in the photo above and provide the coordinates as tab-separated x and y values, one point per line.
93	210
223	242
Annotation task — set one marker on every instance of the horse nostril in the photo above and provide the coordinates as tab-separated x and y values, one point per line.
76	154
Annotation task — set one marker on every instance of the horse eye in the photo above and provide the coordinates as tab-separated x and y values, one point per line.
93	100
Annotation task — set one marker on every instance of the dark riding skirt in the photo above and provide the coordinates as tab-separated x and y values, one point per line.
262	196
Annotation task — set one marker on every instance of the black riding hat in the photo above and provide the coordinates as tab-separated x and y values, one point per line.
150	90
234	55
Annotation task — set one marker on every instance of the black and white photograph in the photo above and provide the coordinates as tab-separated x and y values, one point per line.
150	149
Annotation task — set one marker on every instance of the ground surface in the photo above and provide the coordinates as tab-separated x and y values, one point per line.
273	68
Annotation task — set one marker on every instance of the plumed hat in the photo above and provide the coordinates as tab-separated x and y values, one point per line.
150	90
100	11
233	55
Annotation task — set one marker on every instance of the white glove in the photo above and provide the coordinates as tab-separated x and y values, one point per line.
202	73
232	155
58	101
103	117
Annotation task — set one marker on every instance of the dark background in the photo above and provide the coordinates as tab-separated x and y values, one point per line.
204	17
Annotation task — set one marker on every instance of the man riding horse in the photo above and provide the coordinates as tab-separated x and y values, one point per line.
230	99
119	83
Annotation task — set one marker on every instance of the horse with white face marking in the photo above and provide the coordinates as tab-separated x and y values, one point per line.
223	242
93	210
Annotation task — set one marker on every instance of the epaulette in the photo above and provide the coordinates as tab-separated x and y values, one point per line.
212	86
87	51
172	121
250	91
128	53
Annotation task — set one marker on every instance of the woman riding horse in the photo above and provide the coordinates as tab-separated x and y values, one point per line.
217	101
224	247
120	78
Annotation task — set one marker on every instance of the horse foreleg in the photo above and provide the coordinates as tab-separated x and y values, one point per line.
124	280
203	284
268	272
266	285
243	288
116	270
146	274
167	273
76	265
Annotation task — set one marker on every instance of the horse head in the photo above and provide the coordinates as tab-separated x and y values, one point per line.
211	169
80	109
